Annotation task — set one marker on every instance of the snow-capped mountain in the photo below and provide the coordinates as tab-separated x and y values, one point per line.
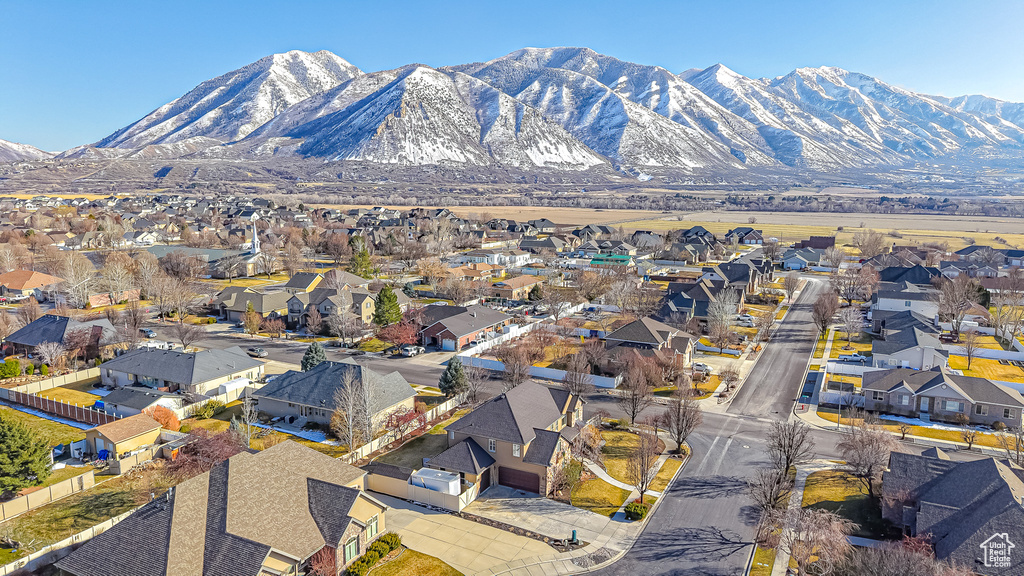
231	106
14	152
562	109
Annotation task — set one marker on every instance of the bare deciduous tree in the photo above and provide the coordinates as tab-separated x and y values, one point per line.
813	536
266	263
78	274
834	257
970	342
345	419
866	450
869	242
790	444
636	392
956	297
640	465
681	417
188	334
770	488
50	352
577	380
853	322
824	309
314	320
476	379
763	324
789	284
771	250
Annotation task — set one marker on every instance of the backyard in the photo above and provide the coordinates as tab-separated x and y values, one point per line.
860	344
221	422
840	492
987	368
68	516
54	432
428	445
78	393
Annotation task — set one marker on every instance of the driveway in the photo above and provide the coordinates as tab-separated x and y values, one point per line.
541	515
467	546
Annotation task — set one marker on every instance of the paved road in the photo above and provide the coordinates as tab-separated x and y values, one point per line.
774	383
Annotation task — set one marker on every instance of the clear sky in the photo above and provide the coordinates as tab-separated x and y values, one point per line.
72	72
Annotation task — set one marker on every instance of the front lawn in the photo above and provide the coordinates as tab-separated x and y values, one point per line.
413	562
860	344
764	560
67	516
840	492
618	444
983	439
599	497
54	432
668	469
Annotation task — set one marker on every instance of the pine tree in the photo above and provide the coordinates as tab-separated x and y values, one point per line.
314	355
386	310
360	264
535	293
453	379
24	457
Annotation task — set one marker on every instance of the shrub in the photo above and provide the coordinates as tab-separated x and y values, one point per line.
420	407
619	424
998	426
380	548
186	428
165	416
371	557
30	369
44	370
210	409
636	510
392	540
11	368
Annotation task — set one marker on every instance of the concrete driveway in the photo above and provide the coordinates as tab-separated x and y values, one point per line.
467	546
541	515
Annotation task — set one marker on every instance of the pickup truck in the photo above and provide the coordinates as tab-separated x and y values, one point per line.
852	358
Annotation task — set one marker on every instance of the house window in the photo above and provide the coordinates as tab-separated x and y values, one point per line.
371	528
952	406
351	549
980	410
1007	413
492	445
877	396
451	435
907	303
516	450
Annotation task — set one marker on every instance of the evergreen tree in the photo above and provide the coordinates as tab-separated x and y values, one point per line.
535	293
409	290
386	311
314	355
360	264
453	379
24	457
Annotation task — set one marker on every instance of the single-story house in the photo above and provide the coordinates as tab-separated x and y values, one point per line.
54	328
200	372
122	436
255	514
939	395
133	400
518	439
647	336
233	301
458	330
517	288
800	259
25	283
300	397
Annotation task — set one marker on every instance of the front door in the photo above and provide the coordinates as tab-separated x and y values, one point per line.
924	404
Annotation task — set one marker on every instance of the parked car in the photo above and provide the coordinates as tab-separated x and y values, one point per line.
702	368
148	332
746	323
744	317
239	324
257	352
855	357
411	350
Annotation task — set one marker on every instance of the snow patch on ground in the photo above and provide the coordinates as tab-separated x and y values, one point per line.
311	435
933	425
50	417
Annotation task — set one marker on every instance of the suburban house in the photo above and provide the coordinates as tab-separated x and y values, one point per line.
302	282
897	297
455	327
800	259
920	275
970	512
744	235
913	347
206	372
256	514
233	301
939	395
517	439
697	297
133	400
25	283
358	301
743	276
54	328
647	337
819	242
300	397
517	288
120	437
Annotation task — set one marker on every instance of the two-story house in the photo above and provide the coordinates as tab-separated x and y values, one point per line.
518	439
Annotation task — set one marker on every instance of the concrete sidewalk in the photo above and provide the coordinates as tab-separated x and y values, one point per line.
796	499
603	475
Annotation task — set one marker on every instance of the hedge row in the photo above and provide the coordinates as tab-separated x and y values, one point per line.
379	549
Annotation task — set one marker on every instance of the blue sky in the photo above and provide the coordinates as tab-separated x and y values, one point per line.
73	72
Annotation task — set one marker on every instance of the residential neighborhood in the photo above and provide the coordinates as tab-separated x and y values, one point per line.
228	385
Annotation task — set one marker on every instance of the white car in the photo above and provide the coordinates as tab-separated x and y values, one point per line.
746	323
855	357
701	367
743	317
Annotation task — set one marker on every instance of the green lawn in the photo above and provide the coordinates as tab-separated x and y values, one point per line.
411	562
54	432
668	469
840	492
68	516
599	496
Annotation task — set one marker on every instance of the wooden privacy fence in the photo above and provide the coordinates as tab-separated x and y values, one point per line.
378	443
58	550
23	504
62	409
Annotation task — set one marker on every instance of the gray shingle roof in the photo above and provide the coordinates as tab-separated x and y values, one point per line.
904	339
317	386
645	330
466	456
186	368
475	318
542	447
931	381
53	328
513	416
137	397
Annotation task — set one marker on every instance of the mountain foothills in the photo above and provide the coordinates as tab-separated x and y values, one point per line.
13	152
560	109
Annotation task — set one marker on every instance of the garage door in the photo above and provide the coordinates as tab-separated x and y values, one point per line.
518	479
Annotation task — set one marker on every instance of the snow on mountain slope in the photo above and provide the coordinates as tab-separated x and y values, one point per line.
417	115
14	152
606	121
993	110
231	106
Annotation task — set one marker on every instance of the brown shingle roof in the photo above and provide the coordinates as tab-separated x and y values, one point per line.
27	280
125	428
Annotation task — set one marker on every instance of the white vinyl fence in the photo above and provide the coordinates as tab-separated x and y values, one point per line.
538	372
378	443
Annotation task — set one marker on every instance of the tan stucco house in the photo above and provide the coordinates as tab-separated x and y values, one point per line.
123	436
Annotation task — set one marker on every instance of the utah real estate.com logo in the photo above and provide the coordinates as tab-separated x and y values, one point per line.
997	550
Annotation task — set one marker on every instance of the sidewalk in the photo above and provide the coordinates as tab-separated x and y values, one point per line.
796	499
612	543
